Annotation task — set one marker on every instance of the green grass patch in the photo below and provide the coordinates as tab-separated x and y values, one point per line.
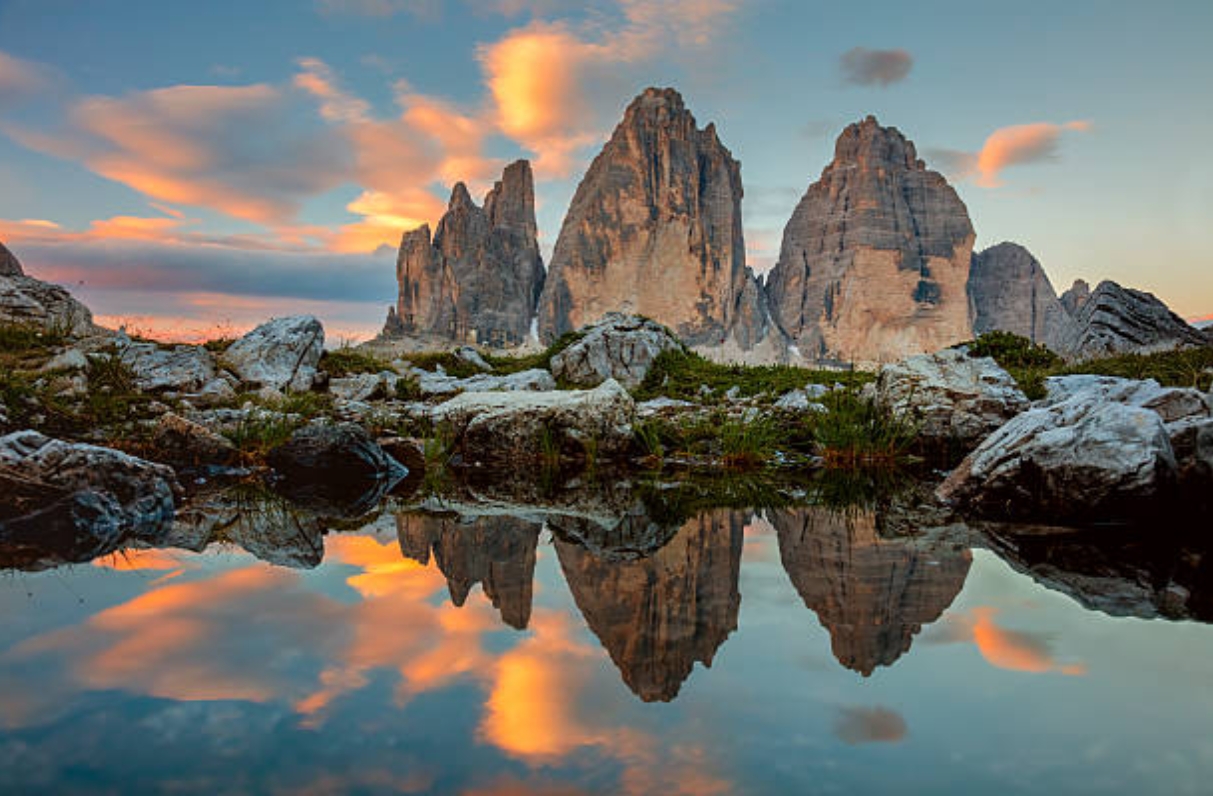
542	360
857	432
345	361
682	374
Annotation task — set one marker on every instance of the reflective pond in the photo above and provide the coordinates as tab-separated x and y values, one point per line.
607	643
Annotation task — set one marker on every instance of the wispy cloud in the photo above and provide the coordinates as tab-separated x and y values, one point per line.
863	67
21	79
425	9
1016	145
860	725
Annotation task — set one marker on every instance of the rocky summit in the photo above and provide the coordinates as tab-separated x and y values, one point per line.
1117	320
655	228
480	277
875	259
1011	292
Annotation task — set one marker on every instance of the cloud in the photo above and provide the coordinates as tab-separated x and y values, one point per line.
1002	648
21	79
858	725
863	67
1015	145
548	80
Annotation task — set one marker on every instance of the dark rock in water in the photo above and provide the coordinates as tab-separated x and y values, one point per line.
42	526
1116	320
480	278
9	266
496	551
336	468
875	259
269	527
656	616
655	229
872	594
1149	572
1011	293
142	494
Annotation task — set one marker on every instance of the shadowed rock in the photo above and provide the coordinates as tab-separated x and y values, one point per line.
655	229
872	594
875	259
656	616
9	265
1011	293
480	277
1117	320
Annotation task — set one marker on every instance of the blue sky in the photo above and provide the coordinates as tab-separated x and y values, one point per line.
192	165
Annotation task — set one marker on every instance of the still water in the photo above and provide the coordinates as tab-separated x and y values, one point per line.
486	649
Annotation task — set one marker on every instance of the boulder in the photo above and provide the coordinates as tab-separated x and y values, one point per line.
334	465
127	495
364	386
534	380
183	368
25	300
1083	459
281	354
953	395
184	443
620	347
527	426
72	359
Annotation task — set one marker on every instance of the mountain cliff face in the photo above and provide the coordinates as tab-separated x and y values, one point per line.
655	229
480	277
872	594
8	263
1116	320
657	615
875	259
1010	292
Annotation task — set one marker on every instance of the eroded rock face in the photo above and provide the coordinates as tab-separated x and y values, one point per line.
1116	320
1073	299
954	396
183	368
655	229
480	277
1011	292
658	615
281	354
619	347
872	594
518	426
875	259
25	300
496	551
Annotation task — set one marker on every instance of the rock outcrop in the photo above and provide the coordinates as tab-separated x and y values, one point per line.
1073	299
1011	292
281	354
619	347
872	594
1117	320
523	427
656	616
955	397
1091	455
25	300
480	277
496	551
875	259
9	265
655	229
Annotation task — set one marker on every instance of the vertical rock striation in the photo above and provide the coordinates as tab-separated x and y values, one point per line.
1011	292
655	229
479	278
875	259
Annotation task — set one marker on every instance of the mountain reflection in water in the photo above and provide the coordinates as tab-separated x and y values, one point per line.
258	630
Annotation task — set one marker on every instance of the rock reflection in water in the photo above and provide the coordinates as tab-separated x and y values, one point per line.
657	615
872	594
269	527
497	551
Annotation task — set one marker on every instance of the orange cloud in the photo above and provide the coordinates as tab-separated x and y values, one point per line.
1006	649
21	79
1017	145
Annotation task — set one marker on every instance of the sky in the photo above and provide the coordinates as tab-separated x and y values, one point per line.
190	169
